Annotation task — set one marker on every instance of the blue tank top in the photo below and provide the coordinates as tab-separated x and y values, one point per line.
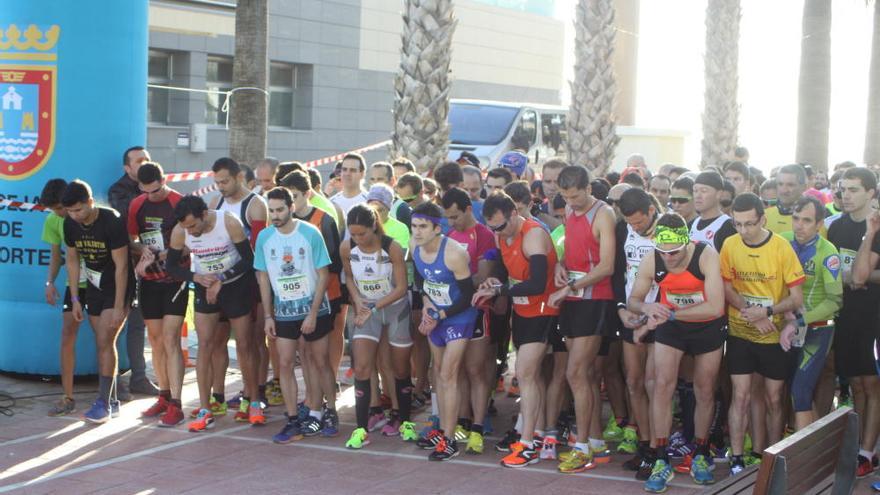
440	285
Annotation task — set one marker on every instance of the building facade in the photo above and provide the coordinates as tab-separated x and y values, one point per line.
332	64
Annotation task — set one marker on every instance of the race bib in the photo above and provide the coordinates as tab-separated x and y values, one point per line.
847	259
517	299
685	300
374	289
293	288
438	293
574	276
760	301
153	240
216	265
94	277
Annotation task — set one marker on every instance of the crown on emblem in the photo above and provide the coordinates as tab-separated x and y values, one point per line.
33	39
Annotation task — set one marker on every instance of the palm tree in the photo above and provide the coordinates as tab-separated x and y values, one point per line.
422	84
591	129
247	110
721	112
814	85
872	131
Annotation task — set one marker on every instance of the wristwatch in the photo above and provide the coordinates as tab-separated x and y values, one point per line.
571	285
769	311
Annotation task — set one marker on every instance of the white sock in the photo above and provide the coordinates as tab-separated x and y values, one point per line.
866	454
583	447
316	414
597	444
519	423
435	406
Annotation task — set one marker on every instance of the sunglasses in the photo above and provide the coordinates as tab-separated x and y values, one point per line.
725	203
409	199
680	199
669	253
154	191
498	228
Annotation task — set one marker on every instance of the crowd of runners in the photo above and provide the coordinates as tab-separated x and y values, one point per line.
716	311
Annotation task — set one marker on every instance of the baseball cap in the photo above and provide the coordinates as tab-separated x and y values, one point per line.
514	161
381	193
468	158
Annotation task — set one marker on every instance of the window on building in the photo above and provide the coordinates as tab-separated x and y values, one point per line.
158	72
282	78
218	78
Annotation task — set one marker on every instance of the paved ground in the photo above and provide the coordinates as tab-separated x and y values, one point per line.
39	454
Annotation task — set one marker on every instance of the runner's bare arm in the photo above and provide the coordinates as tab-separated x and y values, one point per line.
353	292
120	259
457	260
866	259
398	271
72	262
642	285
732	297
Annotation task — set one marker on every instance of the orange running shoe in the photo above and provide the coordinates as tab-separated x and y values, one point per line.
204	421
520	456
255	414
684	467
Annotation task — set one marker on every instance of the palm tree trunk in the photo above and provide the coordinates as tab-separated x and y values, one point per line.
422	84
248	108
721	111
872	131
591	128
814	85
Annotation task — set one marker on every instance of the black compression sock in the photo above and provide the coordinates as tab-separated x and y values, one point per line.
403	388
362	402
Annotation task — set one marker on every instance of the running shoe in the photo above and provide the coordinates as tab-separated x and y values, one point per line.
613	432
600	455
100	413
548	449
520	456
510	438
876	486
633	463
645	469
157	409
677	438
289	432
376	421
513	390
392	428
577	461
408	431
445	450
736	467
684	467
217	409
460	434
204	421
430	441
751	460
865	467
241	416
660	477
256	417
274	396
235	402
330	423
416	403
173	416
302	411
310	426
358	440
630	443
64	406
682	450
701	470
474	443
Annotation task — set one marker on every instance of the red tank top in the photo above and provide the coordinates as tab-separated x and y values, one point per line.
517	265
582	251
684	289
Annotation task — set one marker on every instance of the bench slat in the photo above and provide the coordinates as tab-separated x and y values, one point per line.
736	485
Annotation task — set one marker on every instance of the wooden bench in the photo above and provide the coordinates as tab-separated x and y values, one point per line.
821	458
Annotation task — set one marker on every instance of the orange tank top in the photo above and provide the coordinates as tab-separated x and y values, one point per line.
517	264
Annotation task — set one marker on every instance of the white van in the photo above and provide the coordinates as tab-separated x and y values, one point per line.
488	129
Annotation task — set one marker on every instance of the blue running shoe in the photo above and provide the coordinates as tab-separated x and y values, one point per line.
99	413
701	470
330	423
289	432
660	477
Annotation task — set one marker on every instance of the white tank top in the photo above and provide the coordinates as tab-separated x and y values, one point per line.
636	247
213	252
707	234
373	272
